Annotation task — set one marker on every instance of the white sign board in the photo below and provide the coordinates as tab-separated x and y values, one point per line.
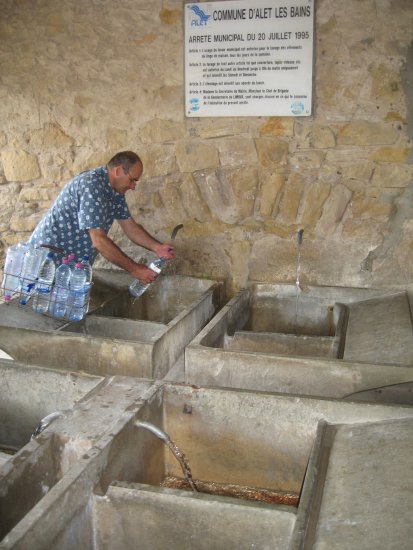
249	58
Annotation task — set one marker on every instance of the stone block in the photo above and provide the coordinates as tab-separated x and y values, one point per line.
50	136
217	127
172	201
19	165
159	160
237	151
333	210
239	251
244	183
278	126
371	233
370	208
302	132
345	155
206	255
33	194
170	17
315	194
386	80
159	131
392	175
272	151
196	155
117	139
306	159
390	154
218	194
86	160
357	171
273	259
27	223
322	137
290	200
192	200
271	185
364	133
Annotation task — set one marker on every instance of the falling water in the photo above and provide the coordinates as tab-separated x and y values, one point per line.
175	230
179	455
297	277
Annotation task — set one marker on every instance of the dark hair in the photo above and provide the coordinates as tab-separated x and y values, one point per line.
126	159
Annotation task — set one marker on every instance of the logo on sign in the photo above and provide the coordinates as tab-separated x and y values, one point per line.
297	108
202	16
194	101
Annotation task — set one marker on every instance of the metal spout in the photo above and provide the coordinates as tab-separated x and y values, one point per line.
175	231
46	421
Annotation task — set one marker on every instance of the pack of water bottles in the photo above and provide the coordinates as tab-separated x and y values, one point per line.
32	278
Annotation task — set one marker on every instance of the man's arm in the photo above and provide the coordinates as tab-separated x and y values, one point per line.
114	254
141	237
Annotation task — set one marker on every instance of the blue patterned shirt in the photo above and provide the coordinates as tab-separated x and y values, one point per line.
87	201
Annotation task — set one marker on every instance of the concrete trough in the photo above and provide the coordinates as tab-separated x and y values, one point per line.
29	469
120	335
28	394
283	339
112	497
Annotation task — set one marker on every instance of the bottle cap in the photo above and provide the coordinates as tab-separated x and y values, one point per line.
79	265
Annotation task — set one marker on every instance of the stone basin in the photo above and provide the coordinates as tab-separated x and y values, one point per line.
120	335
112	497
323	341
33	467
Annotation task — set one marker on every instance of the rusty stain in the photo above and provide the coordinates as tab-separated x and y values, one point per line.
269	496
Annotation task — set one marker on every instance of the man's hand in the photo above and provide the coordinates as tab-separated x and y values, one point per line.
166	251
144	274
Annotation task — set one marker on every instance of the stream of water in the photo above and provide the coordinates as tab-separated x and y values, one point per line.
179	455
297	277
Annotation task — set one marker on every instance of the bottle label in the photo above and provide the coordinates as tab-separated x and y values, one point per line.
154	268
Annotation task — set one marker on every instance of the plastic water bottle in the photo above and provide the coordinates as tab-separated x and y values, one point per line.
43	289
137	288
33	259
12	270
88	285
72	261
77	296
60	295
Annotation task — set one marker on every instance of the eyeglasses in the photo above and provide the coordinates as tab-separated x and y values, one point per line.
131	180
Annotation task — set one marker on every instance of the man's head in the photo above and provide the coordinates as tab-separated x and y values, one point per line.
124	170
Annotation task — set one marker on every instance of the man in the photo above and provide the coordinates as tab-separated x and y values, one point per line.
80	218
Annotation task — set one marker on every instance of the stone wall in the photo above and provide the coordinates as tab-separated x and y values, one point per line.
83	80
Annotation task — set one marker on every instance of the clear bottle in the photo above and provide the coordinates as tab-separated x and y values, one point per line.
33	259
137	288
88	285
60	295
44	284
72	261
76	306
12	270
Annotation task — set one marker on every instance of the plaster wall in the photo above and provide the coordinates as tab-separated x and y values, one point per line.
81	81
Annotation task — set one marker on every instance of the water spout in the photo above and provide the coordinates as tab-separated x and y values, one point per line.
46	421
179	455
175	231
